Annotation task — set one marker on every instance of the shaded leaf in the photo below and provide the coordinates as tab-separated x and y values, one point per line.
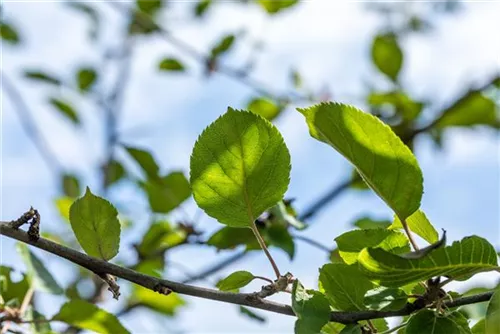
311	308
351	243
366	223
240	167
145	160
36	75
82	314
230	237
114	172
85	78
171	64
386	299
40	324
492	320
427	321
150	7
168	192
264	107
420	225
252	315
201	7
275	6
278	235
159	236
285	215
71	185
352	329
40	278
344	286
95	224
8	33
387	55
386	164
236	280
65	109
460	261
223	46
11	290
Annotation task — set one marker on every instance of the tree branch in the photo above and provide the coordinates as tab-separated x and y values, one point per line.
246	299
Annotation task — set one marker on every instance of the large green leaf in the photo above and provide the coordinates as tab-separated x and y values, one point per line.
471	109
95	224
479	327
428	322
85	315
240	167
387	55
384	162
311	308
40	278
353	242
460	261
236	280
492	320
344	286
168	192
419	224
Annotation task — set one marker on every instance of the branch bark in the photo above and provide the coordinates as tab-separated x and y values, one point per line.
246	299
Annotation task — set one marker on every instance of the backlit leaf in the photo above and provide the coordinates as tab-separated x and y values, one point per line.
168	192
236	280
160	235
265	108
311	308
240	167
171	64
420	225
223	45
275	6
387	55
385	163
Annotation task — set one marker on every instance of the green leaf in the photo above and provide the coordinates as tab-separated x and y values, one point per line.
236	280
252	315
10	289
296	78
95	224
352	329
460	261
278	235
420	225
40	278
385	163
240	167
344	286
168	192
223	46
387	55
479	327
82	314
171	64
40	324
366	223
275	6
164	304
42	77
264	107
85	78
351	243
145	160
9	34
63	204
471	109
386	299
230	237
160	235
492	320
71	185
114	172
332	328
285	215
201	7
150	7
401	103
311	308
65	109
460	321
427	321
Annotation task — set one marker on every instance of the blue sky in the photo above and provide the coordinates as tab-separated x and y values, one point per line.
329	43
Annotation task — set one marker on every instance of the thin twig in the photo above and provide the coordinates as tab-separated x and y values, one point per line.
262	244
408	233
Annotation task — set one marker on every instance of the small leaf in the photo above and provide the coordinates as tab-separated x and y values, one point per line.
95	224
230	237
367	223
471	109
168	192
275	6
402	104
39	277
351	243
252	315
171	64
240	167
159	236
114	172
492	320
332	328
461	260
71	185
63	204
85	78
385	163
265	108
165	304
420	225
223	45
236	280
201	7
296	78
145	160
65	109
285	215
8	33
344	286
10	289
150	7
387	55
427	321
42	77
82	314
460	321
311	308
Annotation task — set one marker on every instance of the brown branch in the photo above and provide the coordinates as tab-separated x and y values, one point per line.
245	299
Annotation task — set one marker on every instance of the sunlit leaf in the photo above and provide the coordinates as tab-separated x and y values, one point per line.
387	55
311	308
171	64
236	280
95	224
164	304
85	315
223	45
344	286
386	164
40	278
401	103
479	327
168	192
10	289
159	236
332	328
275	6
85	78
366	223
265	108
65	109
420	225
492	320
461	260
240	167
